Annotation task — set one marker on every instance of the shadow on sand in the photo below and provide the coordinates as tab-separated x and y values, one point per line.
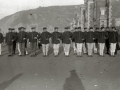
6	84
73	82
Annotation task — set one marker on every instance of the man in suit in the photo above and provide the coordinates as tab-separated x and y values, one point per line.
66	37
45	36
56	36
33	36
1	41
10	37
21	37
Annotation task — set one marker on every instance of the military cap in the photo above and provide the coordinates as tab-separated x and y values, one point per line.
113	27
44	28
66	27
75	28
72	71
102	27
97	28
12	28
33	27
56	28
79	27
85	28
91	27
107	27
9	28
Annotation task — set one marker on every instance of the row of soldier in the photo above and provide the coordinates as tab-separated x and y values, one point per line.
88	42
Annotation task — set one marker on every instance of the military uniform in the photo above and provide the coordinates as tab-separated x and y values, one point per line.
56	37
113	38
1	41
79	37
66	36
10	37
101	41
21	38
14	42
45	36
90	41
33	36
73	40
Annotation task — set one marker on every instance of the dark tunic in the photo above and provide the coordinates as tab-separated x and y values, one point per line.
45	36
20	37
79	37
1	38
90	37
56	36
101	37
66	37
113	37
32	36
9	37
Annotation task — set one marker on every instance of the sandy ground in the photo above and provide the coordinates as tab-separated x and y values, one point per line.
59	73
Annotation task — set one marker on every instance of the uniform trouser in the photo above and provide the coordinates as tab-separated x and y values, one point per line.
74	47
56	48
22	48
112	48
107	44
79	47
14	47
0	49
10	48
101	48
67	49
84	48
45	48
95	47
90	48
33	47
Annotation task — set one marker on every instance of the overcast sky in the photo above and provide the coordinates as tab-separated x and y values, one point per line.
8	7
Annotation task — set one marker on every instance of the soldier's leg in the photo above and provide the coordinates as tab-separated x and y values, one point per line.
74	47
43	48
0	49
47	49
57	52
54	47
19	49
95	48
65	49
8	50
31	46
88	47
114	47
78	49
35	47
11	49
68	49
81	45
84	48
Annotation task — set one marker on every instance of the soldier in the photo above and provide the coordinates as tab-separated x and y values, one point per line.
73	40
45	36
84	41
10	37
107	43
21	37
79	37
66	36
56	36
90	40
26	40
14	42
101	41
1	41
33	36
95	45
113	38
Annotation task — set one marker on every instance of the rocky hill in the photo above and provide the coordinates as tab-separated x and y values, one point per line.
50	17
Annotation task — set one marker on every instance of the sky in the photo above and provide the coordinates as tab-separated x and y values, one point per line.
8	7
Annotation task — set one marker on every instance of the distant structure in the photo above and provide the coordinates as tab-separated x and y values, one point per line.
98	13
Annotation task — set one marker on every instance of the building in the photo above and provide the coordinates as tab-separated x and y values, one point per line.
100	13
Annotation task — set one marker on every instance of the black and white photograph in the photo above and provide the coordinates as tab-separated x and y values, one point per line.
59	44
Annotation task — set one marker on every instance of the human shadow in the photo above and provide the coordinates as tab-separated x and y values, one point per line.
73	82
6	84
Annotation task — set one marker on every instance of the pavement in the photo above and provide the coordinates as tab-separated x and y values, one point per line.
59	73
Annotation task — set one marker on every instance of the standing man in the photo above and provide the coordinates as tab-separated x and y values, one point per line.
66	36
90	41
101	41
33	36
113	38
45	36
10	37
74	31
107	42
1	41
14	42
84	41
79	41
21	37
56	36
